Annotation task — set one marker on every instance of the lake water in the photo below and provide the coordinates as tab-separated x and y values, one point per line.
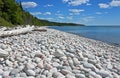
108	34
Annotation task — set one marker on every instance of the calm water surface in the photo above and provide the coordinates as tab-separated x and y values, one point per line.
109	34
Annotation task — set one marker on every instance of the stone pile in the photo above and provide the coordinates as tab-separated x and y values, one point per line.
55	54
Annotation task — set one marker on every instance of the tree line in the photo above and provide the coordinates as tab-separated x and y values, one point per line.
12	13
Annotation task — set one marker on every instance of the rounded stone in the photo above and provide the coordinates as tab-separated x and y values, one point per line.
30	73
80	76
14	71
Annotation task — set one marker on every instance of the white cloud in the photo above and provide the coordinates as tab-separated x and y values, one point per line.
115	3
76	2
47	13
76	11
99	13
35	13
88	4
65	0
49	5
70	17
102	5
29	4
58	14
46	18
60	17
88	19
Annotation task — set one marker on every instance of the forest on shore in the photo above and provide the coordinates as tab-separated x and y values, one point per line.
12	14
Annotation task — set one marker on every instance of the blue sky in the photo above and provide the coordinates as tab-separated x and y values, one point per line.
88	12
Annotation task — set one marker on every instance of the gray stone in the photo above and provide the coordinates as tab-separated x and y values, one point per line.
30	73
0	76
59	53
40	64
94	74
23	75
5	73
45	72
76	71
47	66
103	73
58	74
14	71
1	71
69	76
8	63
92	61
115	75
49	75
89	65
76	62
29	66
80	76
53	70
64	71
55	64
3	53
30	77
37	59
42	76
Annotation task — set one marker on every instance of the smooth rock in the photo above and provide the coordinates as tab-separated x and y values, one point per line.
40	64
1	71
64	71
0	76
94	74
42	76
5	73
59	53
37	59
80	76
45	72
29	66
3	53
76	62
23	75
63	58
115	75
103	73
88	65
30	73
14	71
69	76
49	75
76	71
92	61
8	63
53	70
47	66
58	74
55	64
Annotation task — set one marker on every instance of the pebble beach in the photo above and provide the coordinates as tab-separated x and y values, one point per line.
56	54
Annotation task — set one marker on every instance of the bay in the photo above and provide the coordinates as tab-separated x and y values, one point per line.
108	34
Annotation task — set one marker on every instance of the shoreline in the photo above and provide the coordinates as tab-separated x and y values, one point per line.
57	54
112	44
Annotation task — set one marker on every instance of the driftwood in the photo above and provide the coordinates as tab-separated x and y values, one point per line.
20	31
39	29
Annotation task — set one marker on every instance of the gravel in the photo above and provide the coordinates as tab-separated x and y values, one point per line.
56	54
